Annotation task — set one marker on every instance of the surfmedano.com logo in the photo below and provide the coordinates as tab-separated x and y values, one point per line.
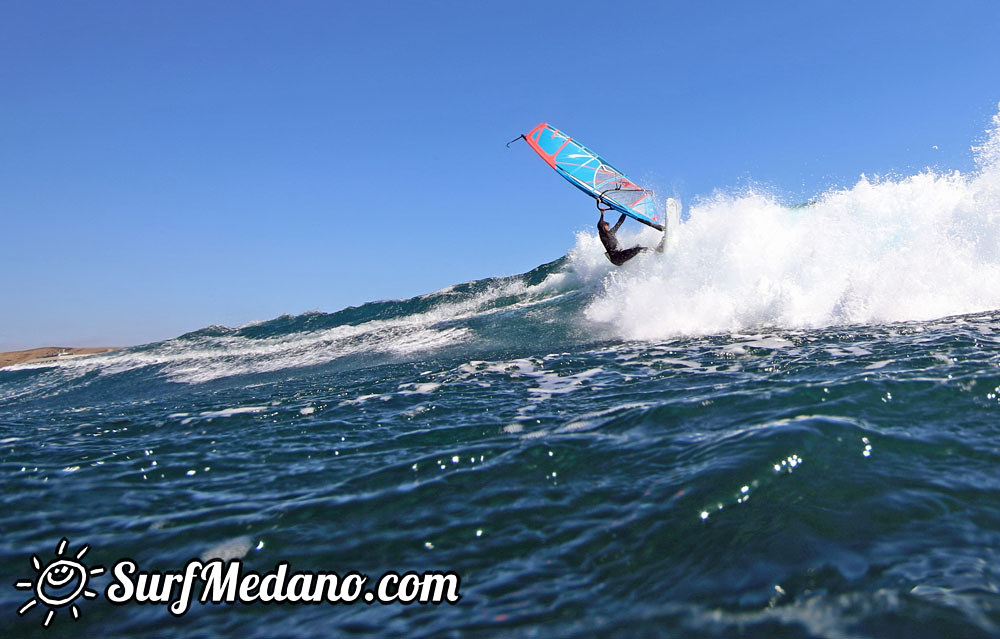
62	581
59	583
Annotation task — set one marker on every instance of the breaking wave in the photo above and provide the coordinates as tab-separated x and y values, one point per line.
883	250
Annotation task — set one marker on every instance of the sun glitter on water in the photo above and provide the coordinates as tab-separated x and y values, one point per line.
59	583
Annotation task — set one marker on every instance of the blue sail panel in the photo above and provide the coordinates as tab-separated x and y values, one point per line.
593	175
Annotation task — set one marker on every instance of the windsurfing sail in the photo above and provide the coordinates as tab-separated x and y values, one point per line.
594	176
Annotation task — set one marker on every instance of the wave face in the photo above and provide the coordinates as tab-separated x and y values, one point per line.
785	425
525	311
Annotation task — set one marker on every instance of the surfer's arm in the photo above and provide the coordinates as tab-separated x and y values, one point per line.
614	229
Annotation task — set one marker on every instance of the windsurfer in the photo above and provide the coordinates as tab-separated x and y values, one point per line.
616	255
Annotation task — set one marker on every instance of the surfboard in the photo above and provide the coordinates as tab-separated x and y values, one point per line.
593	175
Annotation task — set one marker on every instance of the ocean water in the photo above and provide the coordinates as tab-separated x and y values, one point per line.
785	426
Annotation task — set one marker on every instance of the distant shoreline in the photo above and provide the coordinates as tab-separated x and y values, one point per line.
49	354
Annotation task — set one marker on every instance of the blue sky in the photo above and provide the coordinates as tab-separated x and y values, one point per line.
169	165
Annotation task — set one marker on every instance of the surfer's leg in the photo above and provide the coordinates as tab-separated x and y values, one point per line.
620	257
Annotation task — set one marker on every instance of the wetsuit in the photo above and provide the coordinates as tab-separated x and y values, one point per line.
610	242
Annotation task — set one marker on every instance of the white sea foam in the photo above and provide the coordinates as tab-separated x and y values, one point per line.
546	383
226	412
362	399
229	412
884	250
418	389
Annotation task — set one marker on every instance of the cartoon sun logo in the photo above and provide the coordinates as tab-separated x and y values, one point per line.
59	583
